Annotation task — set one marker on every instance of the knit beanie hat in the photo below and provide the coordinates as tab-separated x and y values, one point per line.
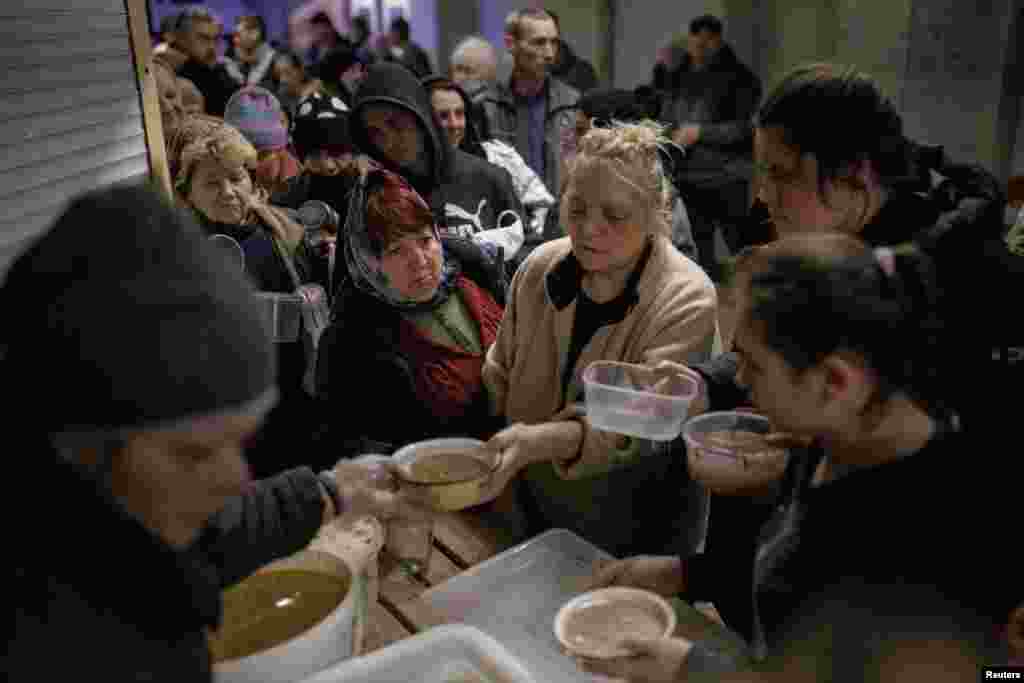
127	317
321	122
257	113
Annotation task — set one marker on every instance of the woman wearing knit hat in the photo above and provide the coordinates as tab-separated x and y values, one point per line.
320	136
142	508
258	115
211	163
292	80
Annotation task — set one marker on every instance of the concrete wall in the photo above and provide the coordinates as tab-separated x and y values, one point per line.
459	18
585	26
952	87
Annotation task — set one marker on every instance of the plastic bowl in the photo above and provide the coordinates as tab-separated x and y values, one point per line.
457	491
593	624
725	454
636	401
317	648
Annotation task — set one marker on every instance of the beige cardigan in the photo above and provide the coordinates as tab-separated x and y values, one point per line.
673	319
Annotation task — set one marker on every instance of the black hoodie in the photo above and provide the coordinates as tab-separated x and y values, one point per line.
467	194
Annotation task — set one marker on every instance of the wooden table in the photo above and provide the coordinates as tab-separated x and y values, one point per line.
461	540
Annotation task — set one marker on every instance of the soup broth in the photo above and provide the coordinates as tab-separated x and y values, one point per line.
272	607
599	627
745	444
440	468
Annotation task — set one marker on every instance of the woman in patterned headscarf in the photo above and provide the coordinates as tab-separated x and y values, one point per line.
413	319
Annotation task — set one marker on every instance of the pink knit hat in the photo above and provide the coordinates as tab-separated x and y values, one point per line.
257	114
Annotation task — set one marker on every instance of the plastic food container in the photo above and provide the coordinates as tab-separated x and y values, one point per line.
317	648
514	597
445	653
636	401
283	313
458	487
726	453
592	624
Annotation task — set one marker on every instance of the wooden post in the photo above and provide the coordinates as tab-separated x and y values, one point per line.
138	31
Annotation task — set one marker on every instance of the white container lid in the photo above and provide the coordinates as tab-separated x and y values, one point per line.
515	596
453	652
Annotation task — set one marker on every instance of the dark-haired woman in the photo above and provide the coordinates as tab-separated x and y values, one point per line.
870	181
865	514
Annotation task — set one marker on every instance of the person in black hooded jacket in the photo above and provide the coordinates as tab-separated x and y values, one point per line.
453	108
393	122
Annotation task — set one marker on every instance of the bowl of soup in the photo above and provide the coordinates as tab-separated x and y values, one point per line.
289	620
453	473
728	454
595	623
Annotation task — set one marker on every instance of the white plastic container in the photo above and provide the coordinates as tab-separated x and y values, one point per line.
314	650
514	597
446	653
636	401
638	611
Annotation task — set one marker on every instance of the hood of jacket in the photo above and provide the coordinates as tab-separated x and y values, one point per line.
393	84
473	138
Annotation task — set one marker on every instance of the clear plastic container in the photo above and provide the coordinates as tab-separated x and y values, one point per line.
514	597
283	314
637	401
445	653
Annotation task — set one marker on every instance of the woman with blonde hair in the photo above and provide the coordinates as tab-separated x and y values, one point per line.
210	163
614	289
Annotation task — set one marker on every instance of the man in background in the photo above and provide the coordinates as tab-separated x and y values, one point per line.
474	62
474	68
709	97
531	111
403	50
192	53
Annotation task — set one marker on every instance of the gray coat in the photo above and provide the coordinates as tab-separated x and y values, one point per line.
506	121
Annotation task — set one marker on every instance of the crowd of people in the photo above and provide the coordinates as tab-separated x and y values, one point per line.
466	244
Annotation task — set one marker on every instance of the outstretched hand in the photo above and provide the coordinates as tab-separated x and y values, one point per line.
658	660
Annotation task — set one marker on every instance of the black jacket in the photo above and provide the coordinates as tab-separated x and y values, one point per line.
214	82
722	98
286	436
573	70
365	386
466	193
97	596
901	538
412	57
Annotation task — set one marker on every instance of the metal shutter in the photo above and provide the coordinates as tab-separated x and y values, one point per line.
70	111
